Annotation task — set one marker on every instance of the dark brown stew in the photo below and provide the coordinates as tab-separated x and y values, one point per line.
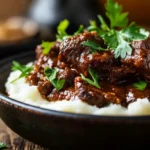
116	76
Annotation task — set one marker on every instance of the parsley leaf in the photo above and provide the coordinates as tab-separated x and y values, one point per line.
94	76
123	49
94	47
25	70
119	41
2	146
134	32
141	85
51	76
93	26
47	47
80	30
111	39
115	15
104	25
61	30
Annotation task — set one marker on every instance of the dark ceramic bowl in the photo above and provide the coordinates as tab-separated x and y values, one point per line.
59	130
10	43
7	49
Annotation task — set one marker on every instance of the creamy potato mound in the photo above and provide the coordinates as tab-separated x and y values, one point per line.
22	91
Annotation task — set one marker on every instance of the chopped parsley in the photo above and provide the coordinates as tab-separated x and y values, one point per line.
61	30
141	85
51	76
93	46
2	146
94	76
118	40
25	70
93	26
80	30
47	47
115	15
117	35
104	25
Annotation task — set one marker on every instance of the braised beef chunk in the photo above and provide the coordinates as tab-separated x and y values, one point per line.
45	88
115	76
80	57
53	53
43	61
143	44
140	61
140	58
89	94
67	94
75	54
69	76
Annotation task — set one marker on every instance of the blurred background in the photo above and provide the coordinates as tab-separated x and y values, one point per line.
25	23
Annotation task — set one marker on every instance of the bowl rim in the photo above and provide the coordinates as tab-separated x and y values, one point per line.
48	112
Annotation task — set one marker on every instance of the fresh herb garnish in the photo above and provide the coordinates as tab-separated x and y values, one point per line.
93	26
51	76
141	85
94	76
25	70
47	47
2	146
115	15
61	30
134	32
104	25
94	47
118	40
80	30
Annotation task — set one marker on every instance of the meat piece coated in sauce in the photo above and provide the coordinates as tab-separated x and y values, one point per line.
80	57
116	76
140	58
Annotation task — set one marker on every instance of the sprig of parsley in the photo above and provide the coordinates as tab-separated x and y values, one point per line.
51	76
2	146
94	47
61	35
115	15
141	85
134	32
61	30
94	76
47	47
25	70
80	30
93	26
118	40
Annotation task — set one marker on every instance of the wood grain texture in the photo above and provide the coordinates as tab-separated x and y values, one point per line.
14	141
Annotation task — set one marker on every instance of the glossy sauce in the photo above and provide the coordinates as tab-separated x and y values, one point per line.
116	76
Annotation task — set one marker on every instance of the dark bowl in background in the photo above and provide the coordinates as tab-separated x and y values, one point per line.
8	49
59	130
17	35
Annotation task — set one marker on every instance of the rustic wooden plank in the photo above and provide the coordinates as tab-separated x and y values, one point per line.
14	141
30	146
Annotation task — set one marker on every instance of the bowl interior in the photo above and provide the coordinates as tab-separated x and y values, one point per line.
66	130
26	57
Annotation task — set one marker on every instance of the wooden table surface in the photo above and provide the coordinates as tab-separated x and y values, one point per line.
14	141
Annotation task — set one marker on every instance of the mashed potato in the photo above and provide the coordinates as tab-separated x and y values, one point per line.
22	91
